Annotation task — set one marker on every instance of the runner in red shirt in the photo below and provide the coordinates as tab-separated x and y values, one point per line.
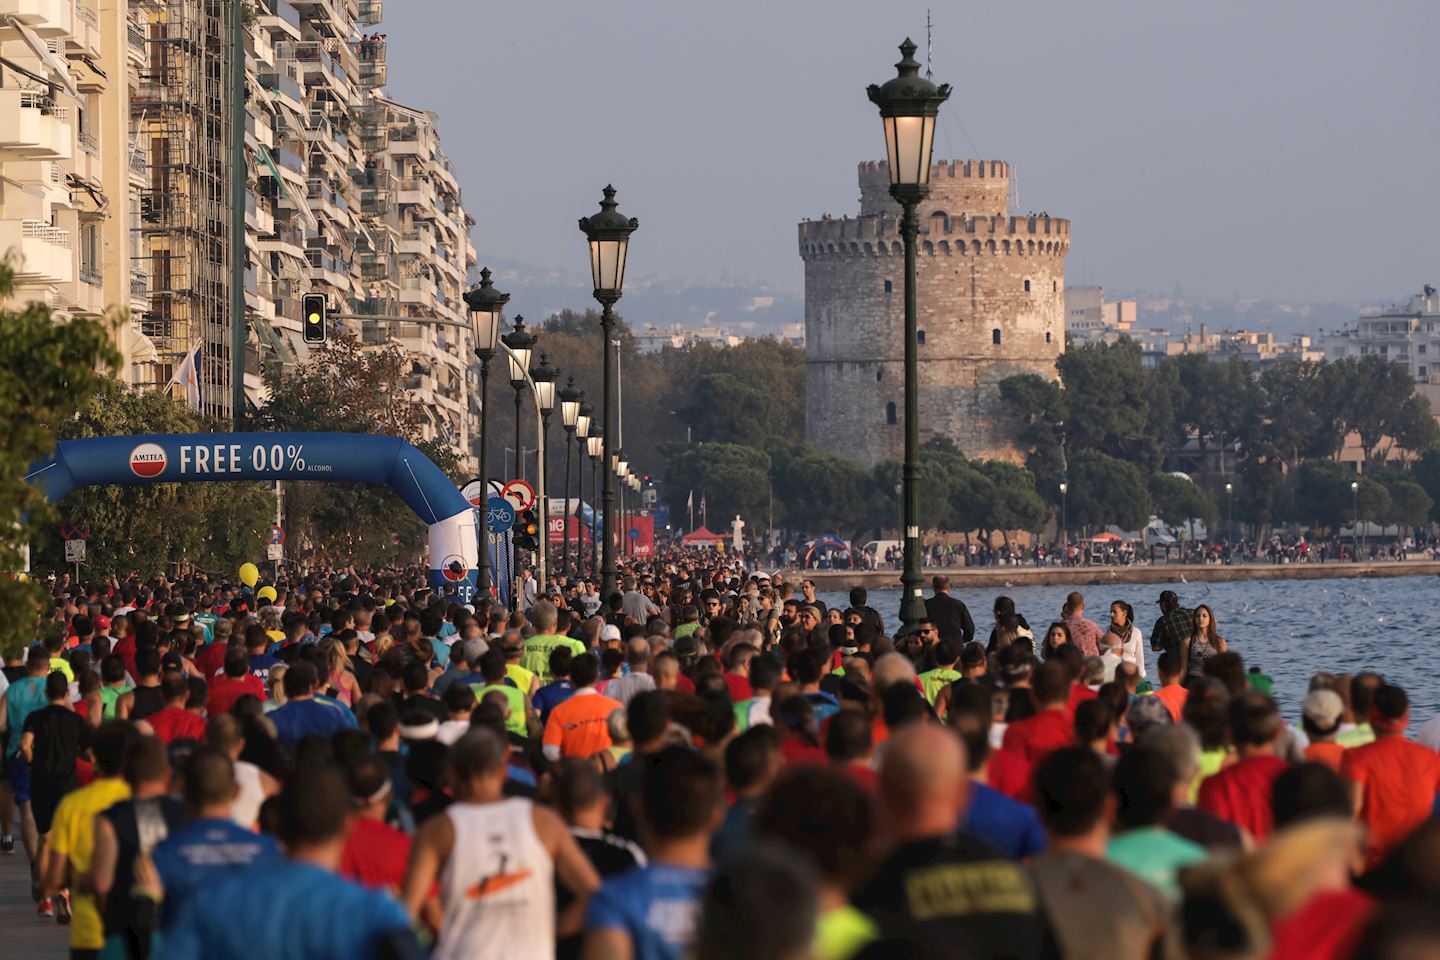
1241	793
1393	782
375	853
1051	728
174	722
234	683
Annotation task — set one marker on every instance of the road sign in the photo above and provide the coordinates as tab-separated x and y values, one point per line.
520	494
471	491
74	551
75	530
501	516
277	536
274	551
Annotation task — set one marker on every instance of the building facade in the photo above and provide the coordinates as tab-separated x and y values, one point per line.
1404	333
115	190
991	299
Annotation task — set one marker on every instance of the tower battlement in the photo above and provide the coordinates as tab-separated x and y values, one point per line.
880	235
978	187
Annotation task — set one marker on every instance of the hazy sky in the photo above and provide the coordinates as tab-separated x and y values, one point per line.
1282	149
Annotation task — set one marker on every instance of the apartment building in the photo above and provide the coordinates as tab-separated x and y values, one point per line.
67	70
1405	333
114	190
413	256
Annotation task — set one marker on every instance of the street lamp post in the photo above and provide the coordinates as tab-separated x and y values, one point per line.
621	468
595	447
521	342
569	415
486	306
1230	496
608	233
1064	522
544	377
582	436
1355	519
909	104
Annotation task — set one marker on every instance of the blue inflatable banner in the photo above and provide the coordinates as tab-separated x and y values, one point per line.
342	457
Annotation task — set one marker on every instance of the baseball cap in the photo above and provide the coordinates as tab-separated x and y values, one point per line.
609	632
177	612
1323	708
1168	596
1147	712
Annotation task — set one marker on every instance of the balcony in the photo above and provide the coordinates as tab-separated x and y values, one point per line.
417	290
88	141
371	12
281	10
413	190
317	63
285	85
372	75
48	18
32	127
44	251
137	48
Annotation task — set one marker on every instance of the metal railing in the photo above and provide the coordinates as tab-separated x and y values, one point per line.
88	141
35	100
139	284
136	35
90	274
40	230
88	15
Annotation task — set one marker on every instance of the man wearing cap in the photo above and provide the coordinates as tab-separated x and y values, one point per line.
1175	626
1320	715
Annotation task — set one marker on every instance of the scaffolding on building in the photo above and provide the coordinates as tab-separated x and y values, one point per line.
182	127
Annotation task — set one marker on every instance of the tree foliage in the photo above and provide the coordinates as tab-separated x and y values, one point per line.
48	370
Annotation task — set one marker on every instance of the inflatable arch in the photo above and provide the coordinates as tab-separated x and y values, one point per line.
344	457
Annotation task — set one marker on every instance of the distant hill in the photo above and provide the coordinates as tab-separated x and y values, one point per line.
748	309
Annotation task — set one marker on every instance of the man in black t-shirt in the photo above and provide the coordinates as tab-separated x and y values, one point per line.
583	801
940	888
128	830
50	744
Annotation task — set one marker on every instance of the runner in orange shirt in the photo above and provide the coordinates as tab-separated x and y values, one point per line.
578	727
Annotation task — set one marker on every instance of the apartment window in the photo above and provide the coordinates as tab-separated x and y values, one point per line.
1420	348
995	336
1422	374
890	413
85	124
920	337
90	253
889	287
879	375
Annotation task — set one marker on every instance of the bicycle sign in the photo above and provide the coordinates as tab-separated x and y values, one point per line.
501	516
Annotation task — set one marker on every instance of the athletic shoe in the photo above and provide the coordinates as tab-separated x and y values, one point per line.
7	845
44	910
62	908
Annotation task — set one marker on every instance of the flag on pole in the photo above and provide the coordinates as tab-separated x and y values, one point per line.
188	378
703	520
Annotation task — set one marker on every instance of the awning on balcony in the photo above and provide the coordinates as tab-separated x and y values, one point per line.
59	70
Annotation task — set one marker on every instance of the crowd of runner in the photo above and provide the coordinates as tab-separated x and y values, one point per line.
710	764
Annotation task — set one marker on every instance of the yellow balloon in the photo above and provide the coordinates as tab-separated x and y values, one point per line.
265	593
249	574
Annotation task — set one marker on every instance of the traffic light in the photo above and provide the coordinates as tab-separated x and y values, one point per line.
526	530
314	311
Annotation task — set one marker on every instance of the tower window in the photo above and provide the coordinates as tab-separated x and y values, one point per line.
1054	286
995	336
1047	336
889	287
1027	284
879	375
890	413
920	337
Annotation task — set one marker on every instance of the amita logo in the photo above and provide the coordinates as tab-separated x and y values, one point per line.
147	460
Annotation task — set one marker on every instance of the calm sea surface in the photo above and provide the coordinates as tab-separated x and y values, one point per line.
1291	629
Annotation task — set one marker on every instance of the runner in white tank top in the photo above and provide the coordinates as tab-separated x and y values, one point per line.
498	887
495	860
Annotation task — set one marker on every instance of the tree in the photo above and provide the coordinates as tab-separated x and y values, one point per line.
721	409
1105	401
1105	491
48	370
1179	500
819	491
730	477
1016	504
774	367
143	529
351	390
1410	505
1379	403
1299	416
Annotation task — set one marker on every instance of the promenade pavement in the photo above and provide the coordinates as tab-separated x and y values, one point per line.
23	935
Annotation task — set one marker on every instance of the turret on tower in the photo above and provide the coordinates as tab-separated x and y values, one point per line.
991	291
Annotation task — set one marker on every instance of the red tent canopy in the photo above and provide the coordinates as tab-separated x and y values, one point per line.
700	535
